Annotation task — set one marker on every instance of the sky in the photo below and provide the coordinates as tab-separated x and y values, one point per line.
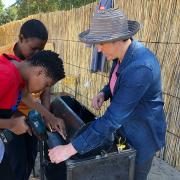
7	3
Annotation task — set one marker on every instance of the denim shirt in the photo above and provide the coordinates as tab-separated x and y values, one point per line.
136	107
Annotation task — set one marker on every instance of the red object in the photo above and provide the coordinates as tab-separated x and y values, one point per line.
101	8
11	82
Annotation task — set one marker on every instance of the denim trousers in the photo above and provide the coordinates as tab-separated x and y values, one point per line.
142	170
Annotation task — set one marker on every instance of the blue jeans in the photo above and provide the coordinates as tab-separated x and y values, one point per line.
142	170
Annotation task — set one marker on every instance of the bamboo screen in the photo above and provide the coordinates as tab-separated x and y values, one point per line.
160	32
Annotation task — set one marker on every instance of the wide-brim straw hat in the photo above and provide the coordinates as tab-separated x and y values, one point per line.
108	26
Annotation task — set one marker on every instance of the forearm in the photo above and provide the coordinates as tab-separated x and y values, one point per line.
71	150
28	100
5	124
94	136
45	98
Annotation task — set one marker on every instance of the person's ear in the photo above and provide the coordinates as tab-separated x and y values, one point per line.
40	71
21	38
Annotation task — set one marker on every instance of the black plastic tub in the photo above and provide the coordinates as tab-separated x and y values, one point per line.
96	165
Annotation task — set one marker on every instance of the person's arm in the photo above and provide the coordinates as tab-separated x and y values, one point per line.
16	125
8	98
45	98
133	85
53	123
56	123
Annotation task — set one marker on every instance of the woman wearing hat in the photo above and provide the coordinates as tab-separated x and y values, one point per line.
134	88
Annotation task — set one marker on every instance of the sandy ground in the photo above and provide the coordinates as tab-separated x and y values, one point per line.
160	171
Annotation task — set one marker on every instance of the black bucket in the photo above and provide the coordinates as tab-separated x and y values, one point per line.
76	116
103	163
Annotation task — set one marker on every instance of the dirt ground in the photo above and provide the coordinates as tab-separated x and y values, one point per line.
160	171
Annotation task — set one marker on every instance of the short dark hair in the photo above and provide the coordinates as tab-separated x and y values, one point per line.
51	62
34	28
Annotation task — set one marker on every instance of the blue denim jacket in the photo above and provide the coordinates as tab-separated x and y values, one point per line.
136	106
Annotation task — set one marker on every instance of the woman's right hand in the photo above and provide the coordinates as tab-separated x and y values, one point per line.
98	100
18	125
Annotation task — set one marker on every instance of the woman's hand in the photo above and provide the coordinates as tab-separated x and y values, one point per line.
98	100
61	153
